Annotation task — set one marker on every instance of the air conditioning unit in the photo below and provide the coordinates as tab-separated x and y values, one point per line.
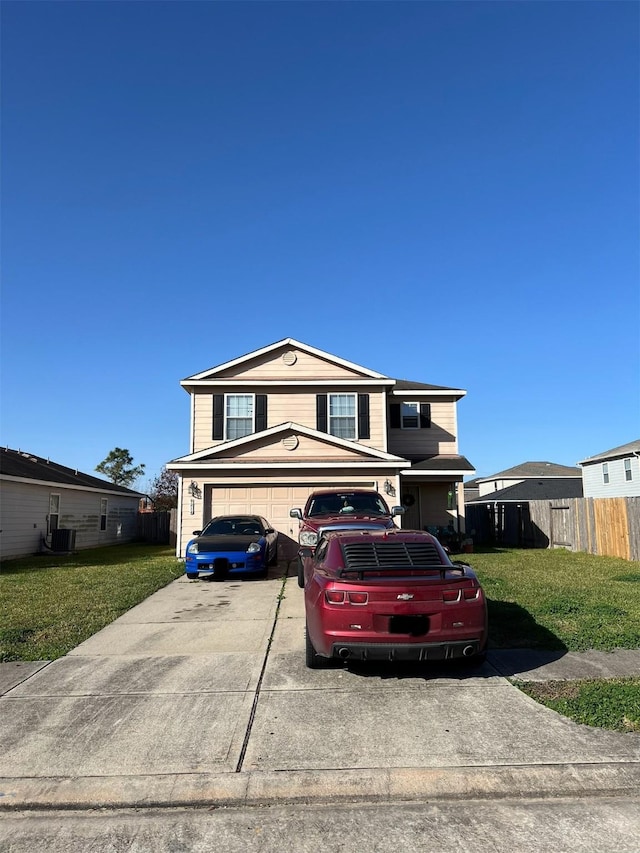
63	539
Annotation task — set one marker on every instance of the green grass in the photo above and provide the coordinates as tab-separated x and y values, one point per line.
613	704
51	604
557	599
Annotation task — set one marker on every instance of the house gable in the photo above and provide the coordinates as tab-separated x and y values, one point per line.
287	444
287	361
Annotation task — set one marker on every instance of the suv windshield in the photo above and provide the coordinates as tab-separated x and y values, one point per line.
347	503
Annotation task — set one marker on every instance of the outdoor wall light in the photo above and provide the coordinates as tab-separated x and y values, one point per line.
194	489
389	488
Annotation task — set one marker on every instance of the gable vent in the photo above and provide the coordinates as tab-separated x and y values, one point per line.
289	357
290	442
363	555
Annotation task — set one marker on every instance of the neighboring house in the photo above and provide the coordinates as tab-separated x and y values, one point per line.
543	489
471	490
270	426
614	473
530	474
39	499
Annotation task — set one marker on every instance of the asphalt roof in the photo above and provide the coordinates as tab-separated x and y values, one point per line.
624	450
535	490
442	463
28	466
534	469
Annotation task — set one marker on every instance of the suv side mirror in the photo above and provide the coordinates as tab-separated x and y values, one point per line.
296	513
197	532
397	510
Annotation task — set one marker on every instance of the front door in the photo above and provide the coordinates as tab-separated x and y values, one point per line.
410	498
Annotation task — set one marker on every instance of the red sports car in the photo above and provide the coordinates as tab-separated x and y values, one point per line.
390	595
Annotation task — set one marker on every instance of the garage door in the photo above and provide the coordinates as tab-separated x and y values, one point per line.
272	502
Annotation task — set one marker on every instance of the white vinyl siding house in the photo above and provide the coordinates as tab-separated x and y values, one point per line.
614	473
33	507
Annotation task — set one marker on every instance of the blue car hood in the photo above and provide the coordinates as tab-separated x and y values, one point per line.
225	543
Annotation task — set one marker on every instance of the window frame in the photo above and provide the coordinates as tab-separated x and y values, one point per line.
402	414
104	505
353	417
230	419
628	470
605	473
51	514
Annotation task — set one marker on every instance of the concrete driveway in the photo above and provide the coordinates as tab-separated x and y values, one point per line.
200	696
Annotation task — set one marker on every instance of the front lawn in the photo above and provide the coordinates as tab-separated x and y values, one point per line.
557	599
51	604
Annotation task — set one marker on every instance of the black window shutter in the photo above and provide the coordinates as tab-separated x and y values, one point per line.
321	413
425	415
394	416
363	416
218	416
261	412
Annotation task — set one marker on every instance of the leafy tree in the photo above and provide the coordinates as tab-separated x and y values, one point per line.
164	490
118	467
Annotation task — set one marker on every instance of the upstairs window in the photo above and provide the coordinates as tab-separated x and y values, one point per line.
238	415
343	415
605	472
628	475
410	415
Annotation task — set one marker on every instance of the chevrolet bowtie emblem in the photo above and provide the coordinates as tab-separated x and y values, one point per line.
405	596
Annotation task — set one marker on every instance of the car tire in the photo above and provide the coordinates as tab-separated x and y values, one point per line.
312	659
300	574
191	576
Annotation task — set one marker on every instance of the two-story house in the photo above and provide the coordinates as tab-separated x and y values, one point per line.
269	427
614	473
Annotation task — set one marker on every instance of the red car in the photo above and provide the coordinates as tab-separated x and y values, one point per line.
390	595
339	509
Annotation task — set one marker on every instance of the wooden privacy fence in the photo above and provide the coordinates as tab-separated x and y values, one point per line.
158	528
604	526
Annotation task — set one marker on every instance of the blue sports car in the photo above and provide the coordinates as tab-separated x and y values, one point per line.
230	545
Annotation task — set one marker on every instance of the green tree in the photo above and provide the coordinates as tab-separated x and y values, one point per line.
164	490
118	467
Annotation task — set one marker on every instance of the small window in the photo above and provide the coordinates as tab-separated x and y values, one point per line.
239	412
628	474
410	414
103	513
451	496
54	513
605	472
342	415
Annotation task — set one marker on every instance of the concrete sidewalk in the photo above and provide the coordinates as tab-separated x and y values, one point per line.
200	696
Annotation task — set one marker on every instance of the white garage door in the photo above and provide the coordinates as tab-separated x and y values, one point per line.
272	502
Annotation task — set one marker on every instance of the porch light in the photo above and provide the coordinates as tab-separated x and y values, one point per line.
389	488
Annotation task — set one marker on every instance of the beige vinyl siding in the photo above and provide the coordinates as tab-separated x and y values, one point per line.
271	366
23	517
284	405
308	450
440	437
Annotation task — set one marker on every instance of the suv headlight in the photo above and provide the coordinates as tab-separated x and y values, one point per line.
192	548
253	548
308	537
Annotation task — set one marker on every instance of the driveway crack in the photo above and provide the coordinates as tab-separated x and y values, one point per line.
247	735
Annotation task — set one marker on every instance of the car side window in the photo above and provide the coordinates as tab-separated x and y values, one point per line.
321	550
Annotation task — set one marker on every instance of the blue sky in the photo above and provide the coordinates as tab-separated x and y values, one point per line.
446	192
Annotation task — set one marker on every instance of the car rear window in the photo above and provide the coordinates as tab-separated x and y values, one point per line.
387	554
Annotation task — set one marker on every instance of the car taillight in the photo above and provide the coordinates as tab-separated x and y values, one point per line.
358	597
471	594
334	596
451	595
